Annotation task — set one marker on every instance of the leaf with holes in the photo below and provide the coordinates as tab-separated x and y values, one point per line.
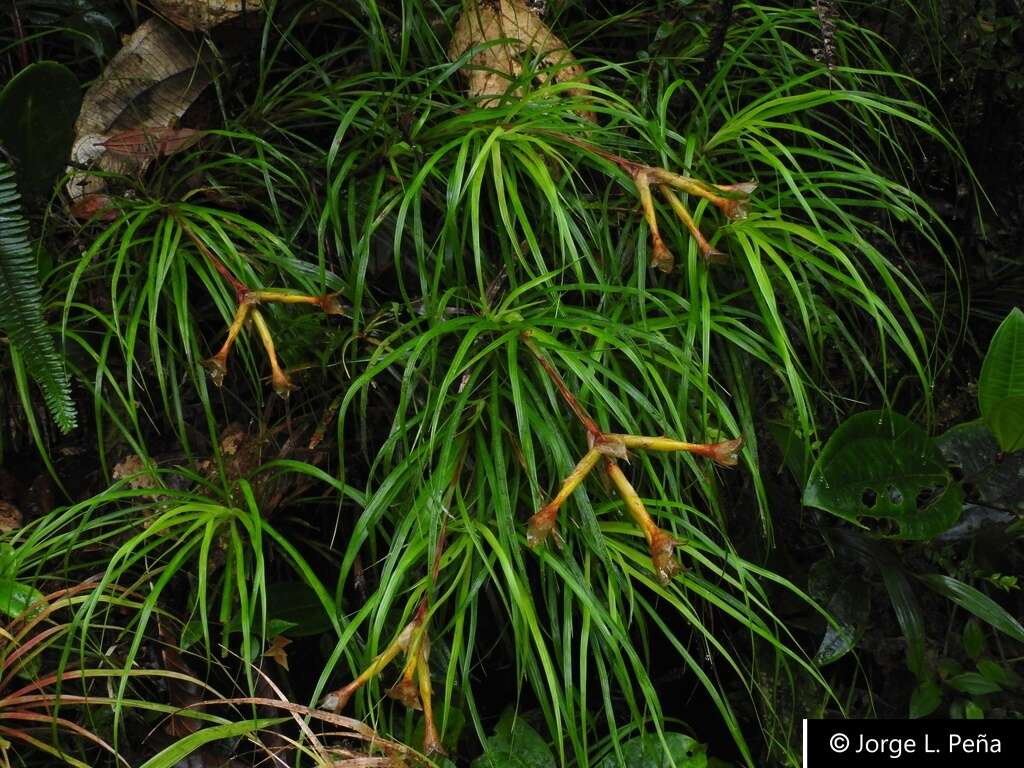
884	473
1001	385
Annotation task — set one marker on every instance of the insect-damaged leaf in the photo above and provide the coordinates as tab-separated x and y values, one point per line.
500	32
145	88
884	472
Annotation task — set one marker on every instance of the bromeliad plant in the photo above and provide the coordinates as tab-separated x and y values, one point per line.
606	449
460	228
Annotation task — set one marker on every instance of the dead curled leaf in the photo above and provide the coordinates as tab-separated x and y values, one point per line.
133	469
148	143
128	114
202	15
512	30
10	517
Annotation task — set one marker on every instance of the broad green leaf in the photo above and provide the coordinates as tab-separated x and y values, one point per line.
925	699
648	751
515	745
38	108
972	711
973	639
16	598
847	598
973	683
883	472
1001	385
1006	420
972	449
182	748
978	603
1001	675
296	604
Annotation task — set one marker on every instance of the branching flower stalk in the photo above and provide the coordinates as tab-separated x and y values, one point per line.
731	199
413	688
248	300
610	447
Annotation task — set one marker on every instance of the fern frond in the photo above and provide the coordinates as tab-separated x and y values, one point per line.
21	306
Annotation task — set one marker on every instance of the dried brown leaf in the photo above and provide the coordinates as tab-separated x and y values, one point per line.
204	14
134	469
276	650
145	89
492	68
149	143
10	517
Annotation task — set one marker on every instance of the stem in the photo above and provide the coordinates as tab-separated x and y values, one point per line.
588	423
241	289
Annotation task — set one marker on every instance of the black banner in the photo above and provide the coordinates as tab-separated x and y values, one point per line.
913	743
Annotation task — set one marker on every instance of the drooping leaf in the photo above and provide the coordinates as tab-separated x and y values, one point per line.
648	751
884	472
1001	385
21	306
182	748
978	603
142	93
38	108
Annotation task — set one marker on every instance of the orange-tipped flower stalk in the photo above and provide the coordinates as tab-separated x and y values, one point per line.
661	257
543	523
337	700
431	739
731	199
282	384
708	251
725	453
406	690
218	364
660	543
